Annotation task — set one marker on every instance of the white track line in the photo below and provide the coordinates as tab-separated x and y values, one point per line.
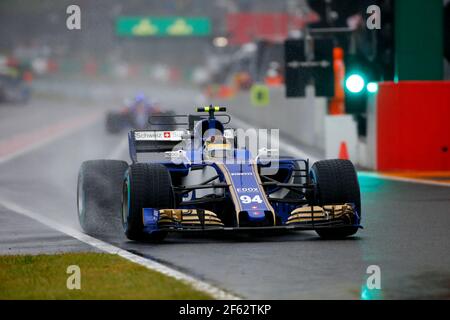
109	248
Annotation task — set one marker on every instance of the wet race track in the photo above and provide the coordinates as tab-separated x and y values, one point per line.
406	224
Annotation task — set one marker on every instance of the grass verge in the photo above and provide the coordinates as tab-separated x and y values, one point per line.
103	276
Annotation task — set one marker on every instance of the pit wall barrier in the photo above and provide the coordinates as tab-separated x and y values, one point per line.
409	126
341	138
301	119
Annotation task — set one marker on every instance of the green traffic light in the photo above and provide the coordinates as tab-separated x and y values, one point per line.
372	87
355	83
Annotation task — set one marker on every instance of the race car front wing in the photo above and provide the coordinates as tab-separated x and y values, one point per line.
303	218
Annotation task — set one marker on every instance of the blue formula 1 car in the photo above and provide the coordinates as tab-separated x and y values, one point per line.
205	183
134	115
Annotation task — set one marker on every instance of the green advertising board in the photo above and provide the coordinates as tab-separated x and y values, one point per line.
163	26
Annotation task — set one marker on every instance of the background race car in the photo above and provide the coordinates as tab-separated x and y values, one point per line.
134	115
14	85
208	183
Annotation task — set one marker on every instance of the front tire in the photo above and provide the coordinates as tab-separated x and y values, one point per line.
337	183
145	186
98	195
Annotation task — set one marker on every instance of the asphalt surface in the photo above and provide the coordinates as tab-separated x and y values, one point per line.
406	224
22	235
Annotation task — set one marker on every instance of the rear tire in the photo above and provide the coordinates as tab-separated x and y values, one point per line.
145	186
337	183
99	194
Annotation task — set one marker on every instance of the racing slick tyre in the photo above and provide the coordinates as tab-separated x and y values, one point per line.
337	183
145	186
99	194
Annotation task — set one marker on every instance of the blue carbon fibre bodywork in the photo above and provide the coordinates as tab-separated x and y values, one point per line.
150	219
245	190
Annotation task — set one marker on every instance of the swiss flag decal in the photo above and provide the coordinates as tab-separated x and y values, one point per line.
166	134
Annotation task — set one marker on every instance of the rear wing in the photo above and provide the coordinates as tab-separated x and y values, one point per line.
186	122
148	141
